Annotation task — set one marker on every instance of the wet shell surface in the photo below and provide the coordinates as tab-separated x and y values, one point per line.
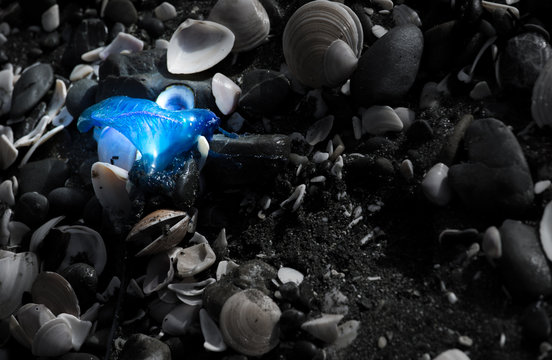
198	45
247	19
249	322
52	290
194	259
309	33
17	274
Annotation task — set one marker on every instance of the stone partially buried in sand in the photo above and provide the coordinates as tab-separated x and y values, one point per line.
30	88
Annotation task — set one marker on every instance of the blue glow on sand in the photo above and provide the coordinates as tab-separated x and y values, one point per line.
159	134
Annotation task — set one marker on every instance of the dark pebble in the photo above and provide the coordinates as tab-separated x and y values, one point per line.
496	181
522	60
50	41
30	88
384	167
92	213
80	96
535	323
34	53
440	47
275	14
263	91
387	70
468	11
290	322
84	280
31	209
306	350
33	9
308	298
122	11
187	185
66	201
142	347
42	176
3	57
115	30
523	265
88	35
152	25
78	356
289	291
420	131
450	147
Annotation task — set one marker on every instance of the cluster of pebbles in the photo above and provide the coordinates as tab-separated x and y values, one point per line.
380	166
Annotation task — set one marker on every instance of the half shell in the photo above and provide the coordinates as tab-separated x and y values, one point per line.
52	290
249	322
194	259
17	274
247	19
198	45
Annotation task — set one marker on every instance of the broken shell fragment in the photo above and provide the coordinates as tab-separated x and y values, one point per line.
249	322
378	120
436	186
194	259
178	321
324	327
159	273
198	45
247	19
159	231
226	92
211	333
17	274
52	339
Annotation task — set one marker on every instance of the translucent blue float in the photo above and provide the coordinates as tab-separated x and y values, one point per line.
158	134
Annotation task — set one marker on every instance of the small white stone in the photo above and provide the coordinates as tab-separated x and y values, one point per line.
480	91
320	157
382	342
50	18
378	120
435	185
451	297
165	11
80	72
8	152
492	243
542	186
161	44
92	55
407	169
7	194
383	4
5	28
379	31
6	90
287	274
452	354
465	341
226	92
406	115
122	42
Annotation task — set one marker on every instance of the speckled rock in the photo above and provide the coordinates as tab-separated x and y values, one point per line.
387	70
142	347
496	181
31	209
30	88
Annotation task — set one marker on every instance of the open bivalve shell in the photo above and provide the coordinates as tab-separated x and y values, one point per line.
249	322
197	45
247	19
17	274
308	36
159	231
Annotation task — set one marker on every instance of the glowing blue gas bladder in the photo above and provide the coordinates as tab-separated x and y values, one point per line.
159	134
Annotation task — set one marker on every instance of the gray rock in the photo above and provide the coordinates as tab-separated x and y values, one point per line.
84	280
31	209
496	181
387	70
88	35
142	347
81	95
42	176
524	267
66	201
535	323
264	91
122	11
187	185
30	88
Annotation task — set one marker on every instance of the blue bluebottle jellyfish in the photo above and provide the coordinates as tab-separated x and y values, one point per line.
159	134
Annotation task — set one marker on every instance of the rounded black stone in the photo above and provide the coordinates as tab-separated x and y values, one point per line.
122	11
66	201
116	29
307	350
420	131
142	347
30	88
78	356
290	321
289	291
80	96
152	25
50	40
84	280
92	213
31	209
535	323
264	91
43	175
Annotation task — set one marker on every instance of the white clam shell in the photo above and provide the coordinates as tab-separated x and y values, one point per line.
226	92
80	71
52	290
168	238
194	259
377	120
249	322
224	267
211	333
287	274
247	19
324	327
79	329
179	319
122	42
190	293
17	274
109	183
52	339
435	185
339	62
159	273
310	31
114	148
545	230
198	45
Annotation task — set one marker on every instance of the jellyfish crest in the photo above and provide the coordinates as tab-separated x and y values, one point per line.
158	134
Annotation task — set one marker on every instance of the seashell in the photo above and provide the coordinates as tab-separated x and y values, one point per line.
404	15
541	186
58	99
159	273
492	243
492	6
4	229
40	233
190	292
157	133
8	152
435	185
27	320
378	120
6	90
80	72
309	33
17	274
63	118
211	333
122	42
179	319
194	259
79	329
114	148
225	267
18	232
226	92
198	45
249	322
319	130
287	274
159	231
324	327
541	100
247	19
52	290
176	97
165	11
109	183
545	230
346	334
83	242
452	354
407	169
52	339
340	62
161	44
7	192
